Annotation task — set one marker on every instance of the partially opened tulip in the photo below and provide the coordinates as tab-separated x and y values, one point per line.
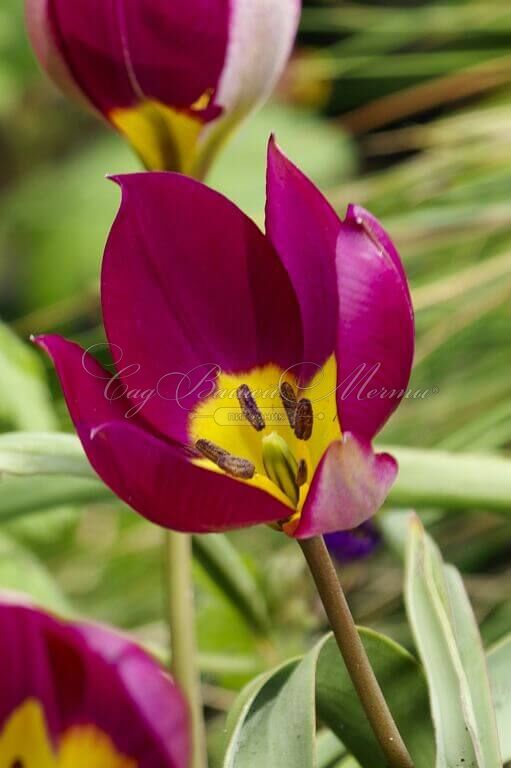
173	76
80	695
253	371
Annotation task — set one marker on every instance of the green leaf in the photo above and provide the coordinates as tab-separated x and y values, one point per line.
279	705
450	647
242	706
277	720
25	401
499	664
21	572
30	453
226	568
471	651
404	686
329	750
450	480
25	496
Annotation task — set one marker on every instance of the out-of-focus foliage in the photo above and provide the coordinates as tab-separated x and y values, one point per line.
404	108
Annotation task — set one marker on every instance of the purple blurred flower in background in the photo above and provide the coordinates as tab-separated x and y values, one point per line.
347	546
175	77
81	695
238	397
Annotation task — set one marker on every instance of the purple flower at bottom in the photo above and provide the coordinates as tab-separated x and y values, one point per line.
348	546
81	694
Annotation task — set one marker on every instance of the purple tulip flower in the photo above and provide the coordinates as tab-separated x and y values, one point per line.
79	695
252	371
174	77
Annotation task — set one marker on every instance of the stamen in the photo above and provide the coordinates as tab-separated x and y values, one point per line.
249	407
302	473
233	465
304	420
237	467
17	763
288	397
210	450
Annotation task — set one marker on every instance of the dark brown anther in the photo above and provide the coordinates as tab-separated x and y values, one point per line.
249	407
241	468
231	464
17	763
302	474
288	397
304	419
210	450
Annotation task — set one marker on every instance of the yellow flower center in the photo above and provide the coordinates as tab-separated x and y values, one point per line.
265	429
25	743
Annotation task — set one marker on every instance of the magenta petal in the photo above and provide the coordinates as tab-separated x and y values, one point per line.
375	343
349	486
86	675
94	52
24	669
190	285
176	49
155	701
91	396
304	229
48	49
173	53
162	484
375	230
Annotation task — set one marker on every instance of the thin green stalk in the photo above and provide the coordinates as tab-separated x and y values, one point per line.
181	617
354	654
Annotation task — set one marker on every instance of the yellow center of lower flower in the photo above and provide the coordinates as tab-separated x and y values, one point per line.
25	743
265	429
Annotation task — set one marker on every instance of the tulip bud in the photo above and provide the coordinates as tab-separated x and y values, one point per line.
175	77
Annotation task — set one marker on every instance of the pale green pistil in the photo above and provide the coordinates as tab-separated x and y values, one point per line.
281	466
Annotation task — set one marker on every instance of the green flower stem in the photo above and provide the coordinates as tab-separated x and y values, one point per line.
353	653
181	617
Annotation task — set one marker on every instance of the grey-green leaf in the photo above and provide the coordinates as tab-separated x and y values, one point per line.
448	641
330	752
277	723
499	664
32	453
404	686
275	720
470	649
451	480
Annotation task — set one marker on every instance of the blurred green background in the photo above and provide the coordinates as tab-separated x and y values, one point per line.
404	108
